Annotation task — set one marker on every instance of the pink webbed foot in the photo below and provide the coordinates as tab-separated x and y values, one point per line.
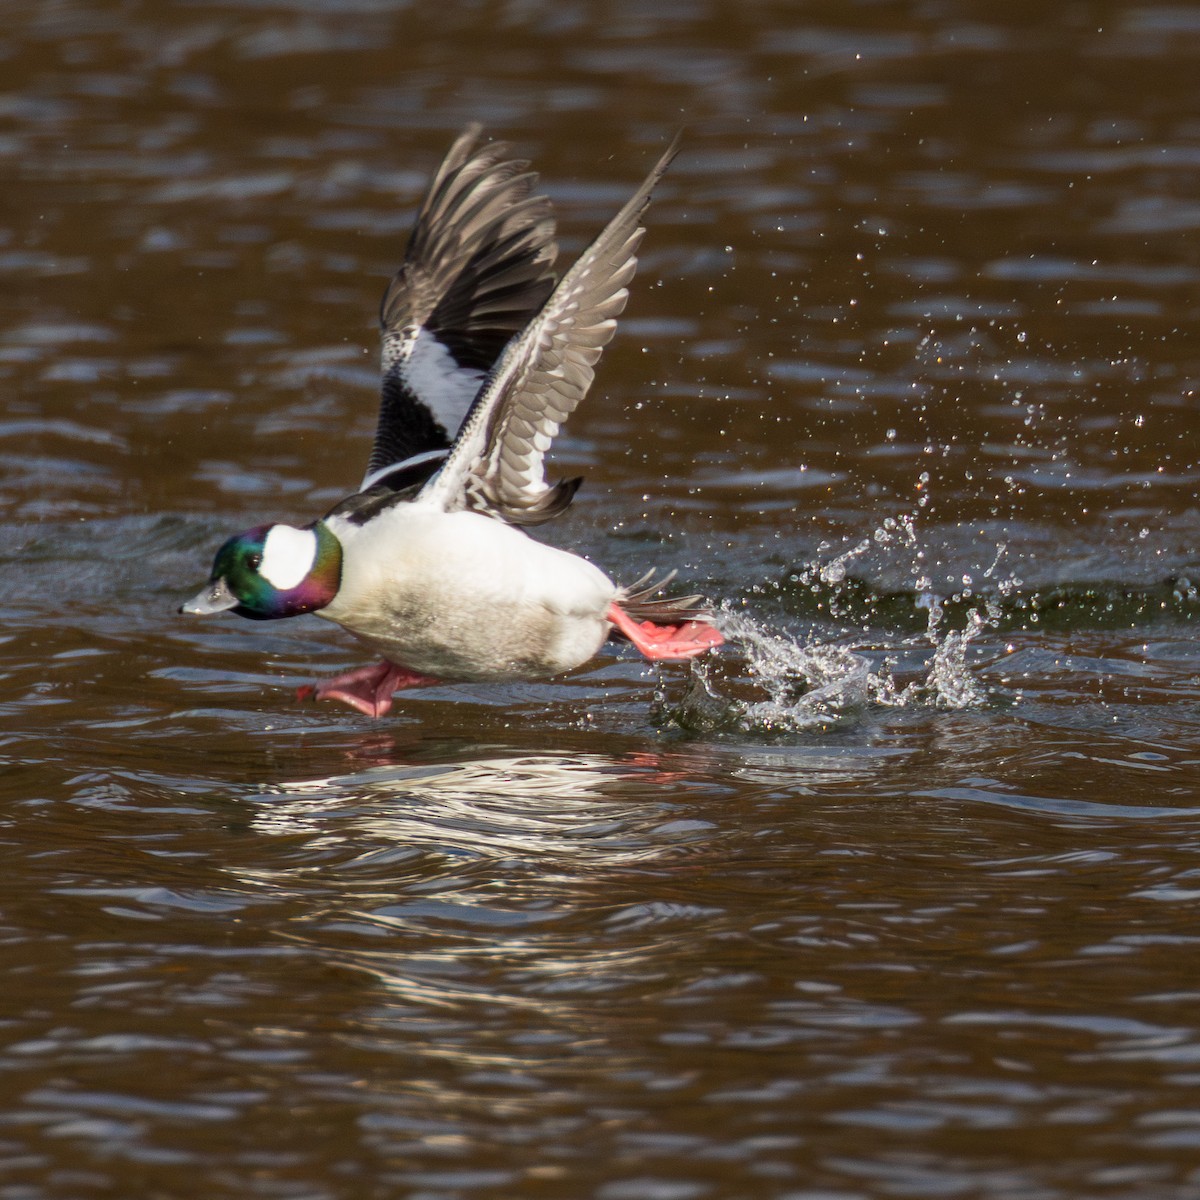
666	643
368	689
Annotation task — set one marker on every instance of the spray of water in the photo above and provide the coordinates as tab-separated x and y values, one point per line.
809	684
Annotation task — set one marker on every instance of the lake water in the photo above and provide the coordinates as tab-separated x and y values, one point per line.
896	897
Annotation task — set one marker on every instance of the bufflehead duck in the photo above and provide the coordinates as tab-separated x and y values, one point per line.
428	563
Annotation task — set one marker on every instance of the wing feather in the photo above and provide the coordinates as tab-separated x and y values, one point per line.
478	267
497	464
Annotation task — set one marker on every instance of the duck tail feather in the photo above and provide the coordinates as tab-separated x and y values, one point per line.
641	600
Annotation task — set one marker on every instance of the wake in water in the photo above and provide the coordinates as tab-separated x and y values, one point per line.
897	618
818	684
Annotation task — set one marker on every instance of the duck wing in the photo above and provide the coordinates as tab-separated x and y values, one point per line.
478	267
497	463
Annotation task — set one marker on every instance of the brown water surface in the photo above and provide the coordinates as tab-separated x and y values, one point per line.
896	899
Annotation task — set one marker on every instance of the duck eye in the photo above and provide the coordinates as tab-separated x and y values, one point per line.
255	561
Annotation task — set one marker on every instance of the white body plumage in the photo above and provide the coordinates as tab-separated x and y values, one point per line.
462	596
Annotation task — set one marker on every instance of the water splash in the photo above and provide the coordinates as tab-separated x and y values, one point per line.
814	684
892	532
817	685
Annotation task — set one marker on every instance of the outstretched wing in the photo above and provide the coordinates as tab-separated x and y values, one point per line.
478	267
497	463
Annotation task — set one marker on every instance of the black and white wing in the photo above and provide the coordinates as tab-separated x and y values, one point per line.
497	463
478	267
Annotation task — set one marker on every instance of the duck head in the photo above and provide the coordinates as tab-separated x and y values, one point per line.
272	571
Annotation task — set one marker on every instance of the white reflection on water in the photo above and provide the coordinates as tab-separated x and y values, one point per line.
578	805
526	878
493	879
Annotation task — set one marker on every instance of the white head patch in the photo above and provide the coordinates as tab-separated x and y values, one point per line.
288	556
